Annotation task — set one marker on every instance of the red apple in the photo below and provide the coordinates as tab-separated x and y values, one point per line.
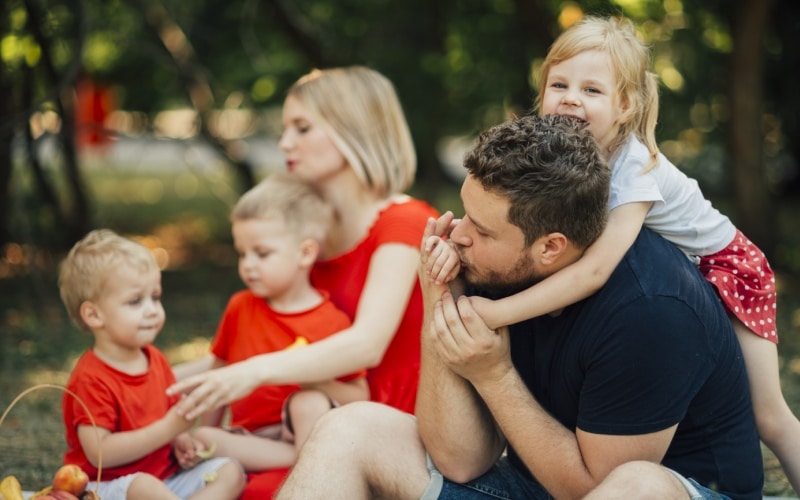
71	479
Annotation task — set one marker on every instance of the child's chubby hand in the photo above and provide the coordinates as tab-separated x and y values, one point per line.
188	450
439	256
443	262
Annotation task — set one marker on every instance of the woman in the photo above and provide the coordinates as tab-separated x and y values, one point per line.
345	131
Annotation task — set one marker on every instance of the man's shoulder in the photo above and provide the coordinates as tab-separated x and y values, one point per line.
655	267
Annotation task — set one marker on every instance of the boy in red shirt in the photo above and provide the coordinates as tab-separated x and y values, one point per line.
278	228
111	287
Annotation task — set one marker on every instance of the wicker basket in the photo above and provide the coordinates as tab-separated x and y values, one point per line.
63	389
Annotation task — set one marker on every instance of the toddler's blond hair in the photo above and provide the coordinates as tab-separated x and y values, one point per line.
286	197
84	272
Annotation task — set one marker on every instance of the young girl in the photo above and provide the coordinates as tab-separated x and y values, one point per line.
597	71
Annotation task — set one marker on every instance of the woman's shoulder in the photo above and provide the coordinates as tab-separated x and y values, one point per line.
407	207
402	220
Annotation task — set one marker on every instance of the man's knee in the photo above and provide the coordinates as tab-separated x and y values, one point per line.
639	479
353	419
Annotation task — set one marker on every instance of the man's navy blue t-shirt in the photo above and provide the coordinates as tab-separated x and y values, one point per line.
651	349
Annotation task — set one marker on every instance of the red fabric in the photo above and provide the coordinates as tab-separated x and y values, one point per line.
249	327
94	102
394	381
119	402
264	485
746	284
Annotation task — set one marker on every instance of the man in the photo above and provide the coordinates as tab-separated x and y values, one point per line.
637	391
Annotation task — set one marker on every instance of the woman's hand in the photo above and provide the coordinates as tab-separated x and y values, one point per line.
215	388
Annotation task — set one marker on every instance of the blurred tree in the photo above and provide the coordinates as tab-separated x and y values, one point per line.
458	65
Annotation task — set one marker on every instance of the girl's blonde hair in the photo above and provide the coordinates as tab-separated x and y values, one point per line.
637	86
288	198
362	113
85	271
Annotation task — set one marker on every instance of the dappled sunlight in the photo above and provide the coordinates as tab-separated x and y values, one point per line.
188	351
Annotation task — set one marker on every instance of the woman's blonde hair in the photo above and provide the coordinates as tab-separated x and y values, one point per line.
637	86
361	111
288	198
85	271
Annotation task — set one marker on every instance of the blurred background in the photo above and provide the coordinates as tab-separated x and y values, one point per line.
151	117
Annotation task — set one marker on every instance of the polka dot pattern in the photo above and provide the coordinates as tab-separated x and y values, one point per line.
746	284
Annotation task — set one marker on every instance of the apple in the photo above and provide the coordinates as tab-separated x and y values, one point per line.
71	479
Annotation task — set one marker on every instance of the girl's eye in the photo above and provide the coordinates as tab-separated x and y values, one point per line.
559	86
135	302
156	297
263	255
593	90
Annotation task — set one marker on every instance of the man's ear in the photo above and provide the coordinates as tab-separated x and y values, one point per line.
91	314
309	251
554	245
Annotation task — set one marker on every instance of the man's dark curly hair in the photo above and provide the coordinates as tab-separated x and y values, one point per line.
550	170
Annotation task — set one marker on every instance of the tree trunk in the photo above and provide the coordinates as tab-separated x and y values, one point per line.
753	201
6	167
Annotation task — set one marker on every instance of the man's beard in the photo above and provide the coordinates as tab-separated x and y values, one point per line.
496	284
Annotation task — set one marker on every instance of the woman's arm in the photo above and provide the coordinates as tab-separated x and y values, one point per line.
389	284
576	281
193	367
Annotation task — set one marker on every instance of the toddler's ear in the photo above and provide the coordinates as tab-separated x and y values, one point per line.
91	314
309	251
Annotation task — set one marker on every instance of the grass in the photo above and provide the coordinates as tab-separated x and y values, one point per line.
185	217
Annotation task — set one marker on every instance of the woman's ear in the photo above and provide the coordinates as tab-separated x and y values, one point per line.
91	314
309	251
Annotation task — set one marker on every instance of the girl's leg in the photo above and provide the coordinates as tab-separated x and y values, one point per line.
228	484
255	453
778	427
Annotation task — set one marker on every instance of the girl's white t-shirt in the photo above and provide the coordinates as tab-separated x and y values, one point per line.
680	212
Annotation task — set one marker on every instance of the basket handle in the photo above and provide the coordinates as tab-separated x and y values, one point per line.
85	408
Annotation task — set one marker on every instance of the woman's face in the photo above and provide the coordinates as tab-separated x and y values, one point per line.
309	150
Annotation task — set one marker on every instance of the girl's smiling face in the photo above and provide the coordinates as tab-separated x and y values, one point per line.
585	86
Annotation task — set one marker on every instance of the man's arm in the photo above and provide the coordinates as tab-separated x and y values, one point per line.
567	464
448	408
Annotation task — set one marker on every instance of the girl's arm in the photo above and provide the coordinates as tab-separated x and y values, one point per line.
574	282
390	282
344	392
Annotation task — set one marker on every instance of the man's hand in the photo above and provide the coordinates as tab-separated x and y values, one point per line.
464	342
